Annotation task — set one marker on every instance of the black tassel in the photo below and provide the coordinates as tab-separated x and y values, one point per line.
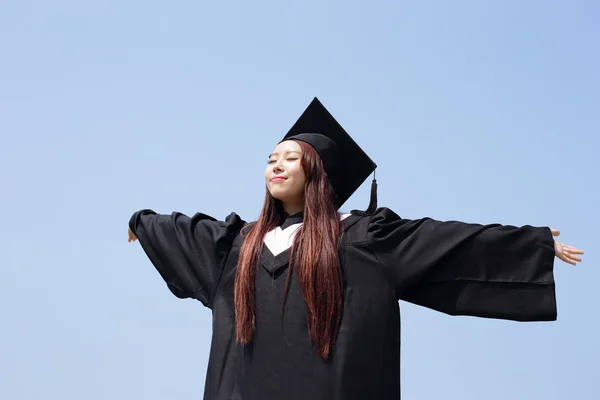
373	202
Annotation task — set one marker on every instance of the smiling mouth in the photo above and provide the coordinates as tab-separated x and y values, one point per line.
278	179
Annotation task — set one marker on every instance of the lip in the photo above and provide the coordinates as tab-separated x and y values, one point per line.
278	179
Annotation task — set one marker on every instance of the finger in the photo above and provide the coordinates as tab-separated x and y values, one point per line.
573	250
570	256
555	232
572	260
567	260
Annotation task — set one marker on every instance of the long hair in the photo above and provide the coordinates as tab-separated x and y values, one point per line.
314	258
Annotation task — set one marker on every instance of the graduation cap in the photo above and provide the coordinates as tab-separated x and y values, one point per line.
346	164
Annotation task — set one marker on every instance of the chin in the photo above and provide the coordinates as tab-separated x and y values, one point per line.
281	194
278	196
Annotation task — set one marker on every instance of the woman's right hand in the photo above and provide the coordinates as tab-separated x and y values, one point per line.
132	237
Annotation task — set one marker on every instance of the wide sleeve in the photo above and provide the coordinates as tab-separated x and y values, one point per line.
188	252
493	271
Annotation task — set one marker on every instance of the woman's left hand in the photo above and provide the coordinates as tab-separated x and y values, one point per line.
564	252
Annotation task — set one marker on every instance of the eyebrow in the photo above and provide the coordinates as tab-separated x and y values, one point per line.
285	152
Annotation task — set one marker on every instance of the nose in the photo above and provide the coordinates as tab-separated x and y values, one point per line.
277	167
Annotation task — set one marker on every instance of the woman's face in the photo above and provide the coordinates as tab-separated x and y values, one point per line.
284	174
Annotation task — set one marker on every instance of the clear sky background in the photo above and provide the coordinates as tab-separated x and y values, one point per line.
480	111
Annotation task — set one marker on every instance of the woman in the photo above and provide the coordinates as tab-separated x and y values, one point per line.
305	300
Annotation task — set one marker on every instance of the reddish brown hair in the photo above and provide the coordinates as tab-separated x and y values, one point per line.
314	258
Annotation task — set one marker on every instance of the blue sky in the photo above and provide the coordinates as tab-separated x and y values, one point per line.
477	111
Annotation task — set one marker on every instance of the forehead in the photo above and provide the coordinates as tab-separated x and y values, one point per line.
287	146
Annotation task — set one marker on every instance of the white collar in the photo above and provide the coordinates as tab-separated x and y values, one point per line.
279	240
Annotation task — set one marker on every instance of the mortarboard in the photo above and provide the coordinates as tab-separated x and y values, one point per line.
346	164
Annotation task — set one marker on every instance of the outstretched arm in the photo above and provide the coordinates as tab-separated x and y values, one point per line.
188	252
494	271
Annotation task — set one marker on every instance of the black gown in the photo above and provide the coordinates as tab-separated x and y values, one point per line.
493	271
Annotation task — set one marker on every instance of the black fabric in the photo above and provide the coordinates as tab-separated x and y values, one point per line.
273	263
346	164
292	219
187	252
491	271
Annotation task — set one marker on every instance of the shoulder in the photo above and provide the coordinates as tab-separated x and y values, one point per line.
380	215
359	226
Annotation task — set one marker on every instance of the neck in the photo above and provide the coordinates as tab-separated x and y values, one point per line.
292	208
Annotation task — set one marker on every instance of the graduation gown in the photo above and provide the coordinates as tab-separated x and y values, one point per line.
493	271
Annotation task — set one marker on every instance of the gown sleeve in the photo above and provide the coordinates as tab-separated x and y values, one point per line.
188	252
492	271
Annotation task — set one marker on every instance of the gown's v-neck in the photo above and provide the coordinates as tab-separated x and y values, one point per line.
278	242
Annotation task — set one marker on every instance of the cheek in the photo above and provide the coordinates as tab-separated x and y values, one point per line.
299	178
267	181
